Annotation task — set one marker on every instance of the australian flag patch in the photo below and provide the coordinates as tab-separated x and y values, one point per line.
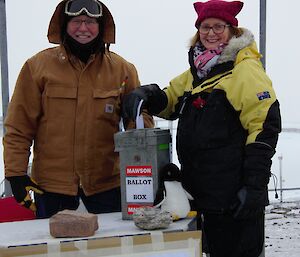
263	95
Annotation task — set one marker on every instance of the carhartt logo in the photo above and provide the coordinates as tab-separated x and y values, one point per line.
109	108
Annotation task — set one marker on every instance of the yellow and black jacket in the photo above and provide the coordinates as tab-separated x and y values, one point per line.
228	126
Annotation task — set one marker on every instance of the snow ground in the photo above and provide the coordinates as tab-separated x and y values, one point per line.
282	229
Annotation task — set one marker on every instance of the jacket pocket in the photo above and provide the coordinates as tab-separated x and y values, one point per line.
61	102
106	104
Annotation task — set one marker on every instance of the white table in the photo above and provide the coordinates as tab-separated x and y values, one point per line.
37	231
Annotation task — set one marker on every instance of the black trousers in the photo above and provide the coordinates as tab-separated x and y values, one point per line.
49	203
225	236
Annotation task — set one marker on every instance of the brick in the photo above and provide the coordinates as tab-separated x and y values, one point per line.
70	223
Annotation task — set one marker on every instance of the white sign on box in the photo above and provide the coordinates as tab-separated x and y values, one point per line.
139	184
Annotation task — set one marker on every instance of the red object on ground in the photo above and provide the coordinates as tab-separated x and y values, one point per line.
10	210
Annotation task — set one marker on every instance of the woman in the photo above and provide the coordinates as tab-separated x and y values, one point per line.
228	127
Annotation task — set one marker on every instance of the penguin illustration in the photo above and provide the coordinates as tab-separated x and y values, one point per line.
171	195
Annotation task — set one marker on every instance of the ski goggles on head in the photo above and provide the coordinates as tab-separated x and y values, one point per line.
92	8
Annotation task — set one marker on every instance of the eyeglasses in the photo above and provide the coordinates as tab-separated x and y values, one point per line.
88	22
92	8
217	28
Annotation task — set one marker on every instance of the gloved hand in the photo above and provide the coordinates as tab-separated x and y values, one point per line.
154	100
251	203
20	186
253	196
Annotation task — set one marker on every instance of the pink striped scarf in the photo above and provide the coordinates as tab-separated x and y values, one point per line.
205	59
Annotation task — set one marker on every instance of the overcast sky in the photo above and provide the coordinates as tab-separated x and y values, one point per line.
154	36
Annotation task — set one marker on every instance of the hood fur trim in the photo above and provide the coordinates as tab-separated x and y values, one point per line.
235	44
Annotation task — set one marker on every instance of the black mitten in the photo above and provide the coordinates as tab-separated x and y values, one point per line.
251	203
253	195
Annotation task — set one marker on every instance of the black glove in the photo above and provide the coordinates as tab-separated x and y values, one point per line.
253	196
154	100
21	186
251	203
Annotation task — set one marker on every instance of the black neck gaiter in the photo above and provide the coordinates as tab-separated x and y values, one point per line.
84	51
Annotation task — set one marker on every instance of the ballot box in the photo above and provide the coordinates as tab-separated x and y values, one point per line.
142	154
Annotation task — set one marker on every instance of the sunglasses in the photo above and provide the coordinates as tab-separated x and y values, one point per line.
91	7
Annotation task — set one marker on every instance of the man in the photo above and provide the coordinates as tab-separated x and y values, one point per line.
67	103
